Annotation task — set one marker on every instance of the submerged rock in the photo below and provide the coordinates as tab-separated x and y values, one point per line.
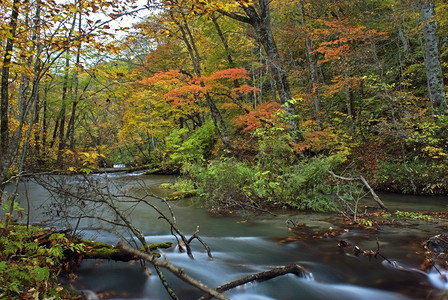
438	243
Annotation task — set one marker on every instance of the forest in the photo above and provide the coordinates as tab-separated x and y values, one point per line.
256	105
275	92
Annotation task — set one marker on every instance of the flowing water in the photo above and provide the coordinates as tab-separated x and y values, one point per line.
241	246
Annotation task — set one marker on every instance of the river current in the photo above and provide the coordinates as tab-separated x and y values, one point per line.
243	245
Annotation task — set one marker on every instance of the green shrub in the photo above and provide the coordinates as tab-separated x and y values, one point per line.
426	177
231	184
181	149
225	184
306	187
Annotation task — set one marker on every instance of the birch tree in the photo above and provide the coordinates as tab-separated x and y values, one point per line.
434	75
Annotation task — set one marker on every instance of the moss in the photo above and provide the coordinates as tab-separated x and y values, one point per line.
182	195
98	250
152	247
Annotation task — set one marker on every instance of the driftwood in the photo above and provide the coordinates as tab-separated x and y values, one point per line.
366	184
196	236
438	244
217	293
178	272
124	169
357	251
262	276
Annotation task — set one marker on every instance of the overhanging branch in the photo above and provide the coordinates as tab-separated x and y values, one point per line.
366	184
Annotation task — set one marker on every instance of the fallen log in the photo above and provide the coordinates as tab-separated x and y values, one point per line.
178	272
262	276
182	195
438	244
98	250
216	293
124	169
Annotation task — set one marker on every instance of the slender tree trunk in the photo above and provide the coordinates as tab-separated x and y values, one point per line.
258	16
223	41
311	65
217	118
4	94
226	47
65	87
348	99
62	143
404	40
433	67
33	100
71	124
44	119
261	22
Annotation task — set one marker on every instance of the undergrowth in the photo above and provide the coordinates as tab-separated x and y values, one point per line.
31	258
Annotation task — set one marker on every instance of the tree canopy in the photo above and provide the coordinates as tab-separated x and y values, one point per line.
272	83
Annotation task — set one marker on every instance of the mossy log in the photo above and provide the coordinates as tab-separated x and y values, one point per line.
98	250
124	169
161	171
182	195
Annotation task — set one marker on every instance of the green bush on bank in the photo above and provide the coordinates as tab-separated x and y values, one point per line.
421	177
181	149
229	184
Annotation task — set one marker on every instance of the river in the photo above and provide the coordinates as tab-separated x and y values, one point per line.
244	245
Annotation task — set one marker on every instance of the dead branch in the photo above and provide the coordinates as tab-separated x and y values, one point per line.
366	184
178	272
104	195
262	276
172	222
165	284
369	253
196	236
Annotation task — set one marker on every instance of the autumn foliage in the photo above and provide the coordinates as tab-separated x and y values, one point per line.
310	78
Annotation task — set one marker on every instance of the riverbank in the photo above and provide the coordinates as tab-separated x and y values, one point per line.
33	259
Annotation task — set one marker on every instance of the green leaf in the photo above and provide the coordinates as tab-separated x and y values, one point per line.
41	274
3	266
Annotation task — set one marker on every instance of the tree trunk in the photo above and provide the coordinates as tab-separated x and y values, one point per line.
44	119
225	44
61	145
223	41
348	99
261	22
312	65
433	67
217	118
258	16
4	94
71	124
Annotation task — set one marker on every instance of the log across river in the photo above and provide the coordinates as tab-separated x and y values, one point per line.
243	246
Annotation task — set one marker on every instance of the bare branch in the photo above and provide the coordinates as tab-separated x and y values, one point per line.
366	184
236	16
196	236
263	276
178	272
